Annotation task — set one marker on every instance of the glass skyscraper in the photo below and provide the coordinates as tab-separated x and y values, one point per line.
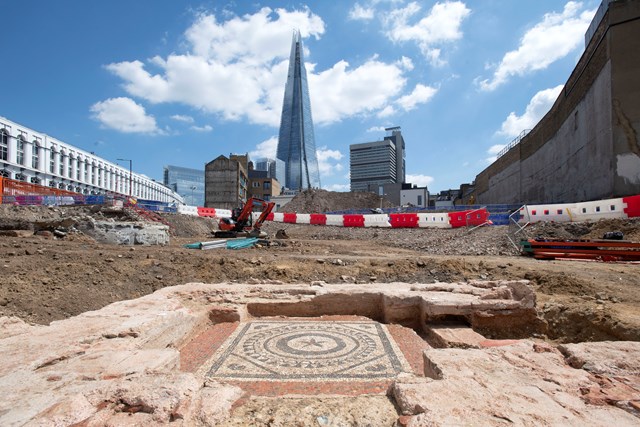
296	141
187	182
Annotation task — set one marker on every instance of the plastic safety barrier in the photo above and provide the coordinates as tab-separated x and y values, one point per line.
353	220
403	220
289	218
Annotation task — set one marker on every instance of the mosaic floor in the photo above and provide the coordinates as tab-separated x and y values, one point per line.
308	350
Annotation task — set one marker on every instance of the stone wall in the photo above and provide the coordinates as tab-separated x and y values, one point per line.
586	147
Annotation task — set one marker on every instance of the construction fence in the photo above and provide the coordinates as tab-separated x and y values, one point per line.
22	193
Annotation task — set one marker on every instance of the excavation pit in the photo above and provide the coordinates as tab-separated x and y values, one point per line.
200	351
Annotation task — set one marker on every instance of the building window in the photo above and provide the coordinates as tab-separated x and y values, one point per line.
86	171
255	184
20	150
35	156
20	177
61	186
52	162
52	184
266	185
4	144
5	174
35	180
61	165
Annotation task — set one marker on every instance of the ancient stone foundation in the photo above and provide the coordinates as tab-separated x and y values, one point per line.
186	355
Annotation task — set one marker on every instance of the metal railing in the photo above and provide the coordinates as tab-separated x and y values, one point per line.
513	143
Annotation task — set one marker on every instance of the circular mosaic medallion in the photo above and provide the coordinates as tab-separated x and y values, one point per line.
314	345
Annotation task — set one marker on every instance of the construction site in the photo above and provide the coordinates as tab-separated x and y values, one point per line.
122	305
325	325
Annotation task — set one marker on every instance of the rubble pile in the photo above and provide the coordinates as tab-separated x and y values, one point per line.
321	201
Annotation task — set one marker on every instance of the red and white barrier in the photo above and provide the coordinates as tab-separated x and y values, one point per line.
214	213
188	210
393	220
624	207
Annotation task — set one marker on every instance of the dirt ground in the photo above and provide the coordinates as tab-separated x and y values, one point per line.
47	278
61	271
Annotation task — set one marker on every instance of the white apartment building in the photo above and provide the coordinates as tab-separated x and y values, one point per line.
30	156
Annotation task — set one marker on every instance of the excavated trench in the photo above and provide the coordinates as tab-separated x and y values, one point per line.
412	323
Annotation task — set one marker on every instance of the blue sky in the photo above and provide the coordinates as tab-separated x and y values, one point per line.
181	82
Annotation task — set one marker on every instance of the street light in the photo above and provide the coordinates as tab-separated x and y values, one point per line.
130	173
193	187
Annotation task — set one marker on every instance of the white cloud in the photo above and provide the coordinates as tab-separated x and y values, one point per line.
386	112
419	180
495	149
420	95
548	41
338	187
237	70
360	13
439	26
266	149
205	128
406	63
181	118
124	115
328	161
376	129
342	92
536	109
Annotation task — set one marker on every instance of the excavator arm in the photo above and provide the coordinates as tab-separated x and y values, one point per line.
241	221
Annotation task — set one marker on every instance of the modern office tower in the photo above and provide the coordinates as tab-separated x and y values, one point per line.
376	163
274	167
189	183
296	141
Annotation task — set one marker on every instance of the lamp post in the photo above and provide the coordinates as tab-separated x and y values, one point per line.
130	173
193	187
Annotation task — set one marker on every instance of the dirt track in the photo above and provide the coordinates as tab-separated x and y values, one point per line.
46	279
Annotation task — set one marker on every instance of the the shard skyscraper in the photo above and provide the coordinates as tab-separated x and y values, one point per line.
296	141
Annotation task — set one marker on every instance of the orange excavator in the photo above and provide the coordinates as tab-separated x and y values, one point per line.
241	222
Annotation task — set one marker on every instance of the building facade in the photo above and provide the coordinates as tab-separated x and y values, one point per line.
274	167
415	196
262	186
35	157
226	182
296	140
373	164
187	182
586	147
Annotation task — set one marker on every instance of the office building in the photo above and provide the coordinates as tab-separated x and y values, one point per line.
274	167
31	156
373	164
187	182
296	141
261	185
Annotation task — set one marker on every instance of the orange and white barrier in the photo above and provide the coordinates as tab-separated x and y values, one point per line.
624	207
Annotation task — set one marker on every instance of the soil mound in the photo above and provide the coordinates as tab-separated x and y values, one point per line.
592	230
321	201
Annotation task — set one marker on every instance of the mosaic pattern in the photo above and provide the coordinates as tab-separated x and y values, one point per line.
308	350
